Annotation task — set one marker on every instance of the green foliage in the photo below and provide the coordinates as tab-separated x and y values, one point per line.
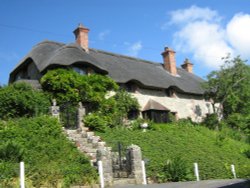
233	134
136	124
211	121
96	122
92	90
230	86
50	158
68	85
20	99
239	121
239	125
11	151
176	170
112	111
190	142
125	102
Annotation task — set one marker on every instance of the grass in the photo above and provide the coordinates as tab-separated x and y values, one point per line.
213	152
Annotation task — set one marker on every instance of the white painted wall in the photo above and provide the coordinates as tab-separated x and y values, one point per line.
193	107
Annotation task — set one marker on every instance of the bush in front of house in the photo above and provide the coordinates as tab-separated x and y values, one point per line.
51	160
112	111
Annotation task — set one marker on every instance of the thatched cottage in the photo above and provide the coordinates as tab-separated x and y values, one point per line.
161	88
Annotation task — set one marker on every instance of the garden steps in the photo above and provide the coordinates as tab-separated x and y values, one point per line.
124	181
86	141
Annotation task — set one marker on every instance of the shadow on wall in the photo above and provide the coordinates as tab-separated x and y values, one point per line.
198	113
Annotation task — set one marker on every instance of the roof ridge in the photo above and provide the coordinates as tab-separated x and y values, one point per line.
49	41
126	56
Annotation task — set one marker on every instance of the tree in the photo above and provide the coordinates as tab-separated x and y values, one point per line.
20	99
230	86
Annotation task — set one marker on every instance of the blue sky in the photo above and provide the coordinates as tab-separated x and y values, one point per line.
203	31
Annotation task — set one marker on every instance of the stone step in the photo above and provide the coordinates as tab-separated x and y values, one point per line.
89	134
86	141
75	135
86	145
88	150
85	129
71	130
94	139
82	140
120	174
124	181
101	144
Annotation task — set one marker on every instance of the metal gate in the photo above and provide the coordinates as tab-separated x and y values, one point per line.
119	161
68	115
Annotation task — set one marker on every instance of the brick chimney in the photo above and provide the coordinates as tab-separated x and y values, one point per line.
81	35
187	65
169	60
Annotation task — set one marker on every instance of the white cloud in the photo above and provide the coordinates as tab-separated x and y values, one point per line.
134	48
202	34
206	41
194	13
238	32
102	35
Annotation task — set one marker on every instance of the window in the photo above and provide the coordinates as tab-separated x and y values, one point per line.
170	92
133	114
130	87
158	116
81	71
18	76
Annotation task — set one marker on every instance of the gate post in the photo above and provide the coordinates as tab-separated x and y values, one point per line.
134	158
81	112
105	155
55	110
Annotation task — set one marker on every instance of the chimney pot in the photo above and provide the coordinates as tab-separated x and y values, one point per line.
187	65
81	36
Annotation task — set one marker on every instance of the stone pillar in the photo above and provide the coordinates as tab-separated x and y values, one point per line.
105	155
55	110
81	112
134	158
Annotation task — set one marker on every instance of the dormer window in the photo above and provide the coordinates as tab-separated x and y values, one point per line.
131	87
170	92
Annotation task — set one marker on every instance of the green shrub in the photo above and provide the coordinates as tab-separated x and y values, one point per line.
95	122
211	121
234	134
176	170
20	99
50	158
11	151
136	124
112	112
239	122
